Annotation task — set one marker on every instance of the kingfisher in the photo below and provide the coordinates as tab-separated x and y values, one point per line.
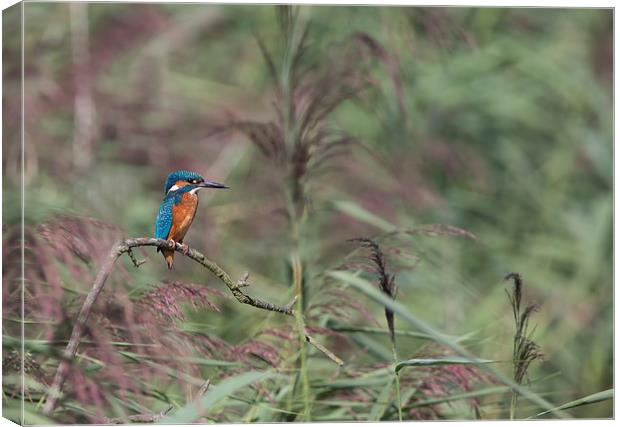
178	209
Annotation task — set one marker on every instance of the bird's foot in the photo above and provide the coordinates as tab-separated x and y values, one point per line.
184	248
172	243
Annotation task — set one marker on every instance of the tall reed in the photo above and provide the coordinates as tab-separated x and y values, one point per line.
387	285
300	139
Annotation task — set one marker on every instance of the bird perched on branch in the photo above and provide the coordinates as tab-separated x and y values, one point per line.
178	209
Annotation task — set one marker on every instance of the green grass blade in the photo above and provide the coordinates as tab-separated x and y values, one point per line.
364	381
459	396
375	348
361	214
378	409
408	334
441	361
31	416
190	360
31	345
601	396
194	410
372	292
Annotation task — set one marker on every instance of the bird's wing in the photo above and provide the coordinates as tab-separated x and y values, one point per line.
164	218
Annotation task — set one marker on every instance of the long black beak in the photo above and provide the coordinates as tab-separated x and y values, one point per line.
211	184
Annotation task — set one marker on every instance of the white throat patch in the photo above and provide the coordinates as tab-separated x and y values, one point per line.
195	190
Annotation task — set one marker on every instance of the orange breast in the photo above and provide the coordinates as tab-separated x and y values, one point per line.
182	216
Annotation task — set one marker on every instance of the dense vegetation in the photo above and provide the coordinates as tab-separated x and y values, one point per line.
388	166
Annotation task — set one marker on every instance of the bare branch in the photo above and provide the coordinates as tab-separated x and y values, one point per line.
117	250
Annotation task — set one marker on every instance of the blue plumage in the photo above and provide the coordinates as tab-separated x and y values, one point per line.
173	222
164	217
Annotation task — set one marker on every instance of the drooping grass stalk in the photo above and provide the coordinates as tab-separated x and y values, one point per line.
388	287
524	350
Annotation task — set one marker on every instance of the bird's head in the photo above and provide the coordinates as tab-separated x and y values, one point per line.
183	178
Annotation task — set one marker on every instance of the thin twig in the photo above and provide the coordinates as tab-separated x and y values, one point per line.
203	389
117	250
243	282
136	262
322	349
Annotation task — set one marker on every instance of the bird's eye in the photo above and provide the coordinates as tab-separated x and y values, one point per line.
193	181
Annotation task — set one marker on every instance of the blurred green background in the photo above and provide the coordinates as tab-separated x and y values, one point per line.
497	121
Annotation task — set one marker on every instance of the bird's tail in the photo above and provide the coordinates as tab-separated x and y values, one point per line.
169	257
